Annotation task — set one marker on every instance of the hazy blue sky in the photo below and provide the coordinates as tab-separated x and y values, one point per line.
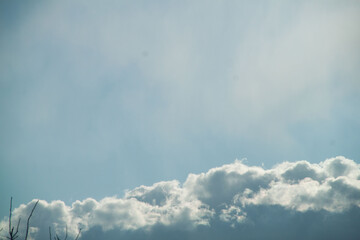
101	96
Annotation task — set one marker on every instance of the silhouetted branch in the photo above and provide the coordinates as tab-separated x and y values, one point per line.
28	221
66	234
17	227
77	237
10	229
13	235
10	217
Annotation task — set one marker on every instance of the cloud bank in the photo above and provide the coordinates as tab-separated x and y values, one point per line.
292	200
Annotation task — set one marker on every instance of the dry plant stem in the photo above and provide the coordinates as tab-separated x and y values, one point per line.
77	237
66	234
12	235
17	227
28	221
10	217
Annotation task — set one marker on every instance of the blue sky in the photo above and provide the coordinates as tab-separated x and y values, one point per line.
96	98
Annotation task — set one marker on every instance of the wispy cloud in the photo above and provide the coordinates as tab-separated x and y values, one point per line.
299	200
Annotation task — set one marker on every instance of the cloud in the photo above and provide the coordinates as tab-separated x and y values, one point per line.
331	185
299	200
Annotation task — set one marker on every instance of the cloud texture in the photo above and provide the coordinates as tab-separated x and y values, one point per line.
297	200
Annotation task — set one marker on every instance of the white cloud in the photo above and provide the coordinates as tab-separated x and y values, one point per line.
229	195
232	214
331	185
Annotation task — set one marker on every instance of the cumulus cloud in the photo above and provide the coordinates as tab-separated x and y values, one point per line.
298	200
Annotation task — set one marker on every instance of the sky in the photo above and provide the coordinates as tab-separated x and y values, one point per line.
100	99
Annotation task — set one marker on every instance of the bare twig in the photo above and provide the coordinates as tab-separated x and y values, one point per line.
56	237
10	232
12	235
28	221
17	228
77	237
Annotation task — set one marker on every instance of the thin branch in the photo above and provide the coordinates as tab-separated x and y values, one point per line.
28	221
17	228
12	235
77	237
10	232
50	232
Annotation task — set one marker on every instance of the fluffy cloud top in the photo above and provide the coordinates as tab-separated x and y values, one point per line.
310	200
